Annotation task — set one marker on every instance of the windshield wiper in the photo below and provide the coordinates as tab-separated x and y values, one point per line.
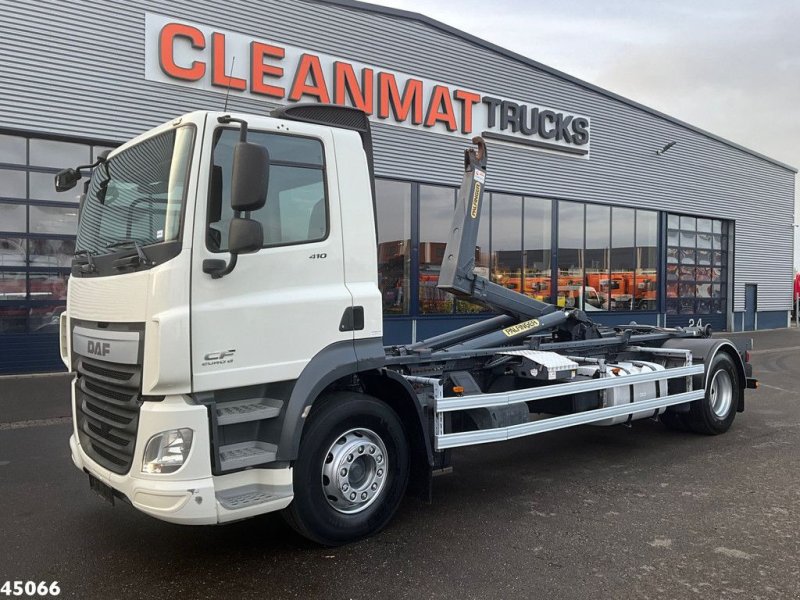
88	266
143	260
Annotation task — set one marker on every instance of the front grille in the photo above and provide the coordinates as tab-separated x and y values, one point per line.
96	369
108	400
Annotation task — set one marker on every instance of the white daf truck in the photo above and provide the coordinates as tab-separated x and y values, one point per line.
224	325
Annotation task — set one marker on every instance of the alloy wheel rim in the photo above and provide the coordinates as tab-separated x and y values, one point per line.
721	393
355	471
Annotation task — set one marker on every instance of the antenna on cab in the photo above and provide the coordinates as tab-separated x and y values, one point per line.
228	91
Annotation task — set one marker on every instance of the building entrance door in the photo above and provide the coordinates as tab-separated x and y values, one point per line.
750	306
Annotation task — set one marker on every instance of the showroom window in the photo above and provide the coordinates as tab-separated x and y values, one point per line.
598	246
393	203
697	259
623	259
506	229
570	254
645	289
436	205
537	254
607	257
37	231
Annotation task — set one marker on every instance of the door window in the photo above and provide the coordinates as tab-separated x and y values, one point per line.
296	210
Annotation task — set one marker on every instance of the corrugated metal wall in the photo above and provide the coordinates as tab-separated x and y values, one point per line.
78	68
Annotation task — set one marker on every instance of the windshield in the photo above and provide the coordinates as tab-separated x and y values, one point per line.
137	194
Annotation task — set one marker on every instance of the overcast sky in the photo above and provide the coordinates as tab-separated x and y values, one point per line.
731	67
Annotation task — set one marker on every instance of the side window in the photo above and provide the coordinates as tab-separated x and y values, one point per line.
296	211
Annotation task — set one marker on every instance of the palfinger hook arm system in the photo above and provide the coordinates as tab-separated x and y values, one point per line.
224	325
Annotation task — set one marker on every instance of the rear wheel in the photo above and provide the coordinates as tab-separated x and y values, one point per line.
351	471
714	414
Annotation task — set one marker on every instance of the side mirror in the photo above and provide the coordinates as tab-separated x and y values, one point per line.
245	236
250	177
66	179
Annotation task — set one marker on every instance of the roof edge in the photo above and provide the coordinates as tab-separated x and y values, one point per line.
412	16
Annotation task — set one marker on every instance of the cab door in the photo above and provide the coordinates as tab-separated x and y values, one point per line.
281	305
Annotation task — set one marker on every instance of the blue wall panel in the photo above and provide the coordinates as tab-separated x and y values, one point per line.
30	353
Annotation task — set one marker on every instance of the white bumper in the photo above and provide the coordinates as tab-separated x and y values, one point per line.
188	496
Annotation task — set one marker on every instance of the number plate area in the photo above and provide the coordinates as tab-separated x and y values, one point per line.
106	492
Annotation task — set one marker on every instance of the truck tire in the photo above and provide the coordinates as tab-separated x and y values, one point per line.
351	471
714	414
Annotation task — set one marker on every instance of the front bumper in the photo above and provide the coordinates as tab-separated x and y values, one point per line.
190	502
188	496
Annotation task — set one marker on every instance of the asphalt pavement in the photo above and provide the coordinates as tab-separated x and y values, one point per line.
640	512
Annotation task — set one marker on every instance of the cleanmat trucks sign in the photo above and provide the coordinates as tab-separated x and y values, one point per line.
201	56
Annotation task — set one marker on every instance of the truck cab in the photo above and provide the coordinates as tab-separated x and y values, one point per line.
157	340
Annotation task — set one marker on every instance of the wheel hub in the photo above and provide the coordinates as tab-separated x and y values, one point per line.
355	471
721	394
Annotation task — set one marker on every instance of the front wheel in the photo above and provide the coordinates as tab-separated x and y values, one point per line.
351	471
714	414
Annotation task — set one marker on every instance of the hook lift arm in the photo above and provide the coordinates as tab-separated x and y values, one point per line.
457	274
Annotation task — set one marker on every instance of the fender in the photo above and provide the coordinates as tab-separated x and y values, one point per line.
392	388
373	381
328	365
704	350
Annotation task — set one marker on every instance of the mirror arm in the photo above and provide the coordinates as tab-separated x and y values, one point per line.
217	267
99	160
242	130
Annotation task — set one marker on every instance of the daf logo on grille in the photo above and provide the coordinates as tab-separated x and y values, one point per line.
110	345
98	348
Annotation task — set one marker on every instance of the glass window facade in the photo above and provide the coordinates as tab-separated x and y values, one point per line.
37	239
645	289
13	150
595	257
507	241
57	154
571	231
697	266
436	206
537	250
13	183
623	259
393	202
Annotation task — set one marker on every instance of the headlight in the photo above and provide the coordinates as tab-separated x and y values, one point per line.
167	451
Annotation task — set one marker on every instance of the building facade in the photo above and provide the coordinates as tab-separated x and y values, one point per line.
594	200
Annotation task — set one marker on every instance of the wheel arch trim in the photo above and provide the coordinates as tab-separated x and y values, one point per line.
705	350
329	365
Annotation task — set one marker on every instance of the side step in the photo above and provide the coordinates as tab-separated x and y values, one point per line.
251	495
246	454
253	409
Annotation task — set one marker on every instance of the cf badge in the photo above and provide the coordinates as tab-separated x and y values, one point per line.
221	357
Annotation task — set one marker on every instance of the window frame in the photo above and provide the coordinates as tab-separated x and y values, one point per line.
217	133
